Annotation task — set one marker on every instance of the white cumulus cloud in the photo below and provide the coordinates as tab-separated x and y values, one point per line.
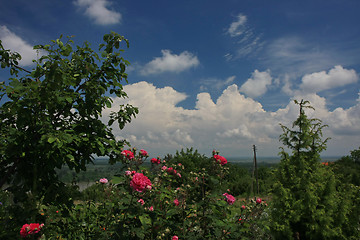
99	11
258	84
15	43
231	124
169	62
335	77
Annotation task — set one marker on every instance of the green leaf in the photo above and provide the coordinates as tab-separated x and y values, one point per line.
51	139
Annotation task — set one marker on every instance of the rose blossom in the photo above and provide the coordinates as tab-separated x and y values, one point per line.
141	201
220	159
128	154
151	208
230	199
103	180
127	173
29	229
175	238
258	200
176	202
143	153
139	182
243	207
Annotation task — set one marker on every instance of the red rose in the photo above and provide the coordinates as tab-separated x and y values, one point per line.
24	230
176	202
143	153
220	159
258	200
128	154
29	229
155	160
139	182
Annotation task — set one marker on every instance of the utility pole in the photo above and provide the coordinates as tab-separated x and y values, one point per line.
255	171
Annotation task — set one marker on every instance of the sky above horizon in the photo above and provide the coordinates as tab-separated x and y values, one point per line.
213	75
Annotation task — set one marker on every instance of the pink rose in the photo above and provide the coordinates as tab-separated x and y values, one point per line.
258	200
139	182
220	159
243	207
103	180
176	202
230	199
169	170
127	173
128	154
163	168
141	201
151	208
143	153
179	175
175	238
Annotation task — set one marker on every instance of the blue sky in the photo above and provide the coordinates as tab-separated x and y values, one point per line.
215	75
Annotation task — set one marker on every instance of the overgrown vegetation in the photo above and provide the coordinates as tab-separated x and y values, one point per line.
50	119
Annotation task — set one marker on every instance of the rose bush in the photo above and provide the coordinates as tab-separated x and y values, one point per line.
157	203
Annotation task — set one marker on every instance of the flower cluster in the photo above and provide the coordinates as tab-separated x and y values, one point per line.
144	153
128	154
171	170
129	173
220	159
140	182
155	160
30	229
230	199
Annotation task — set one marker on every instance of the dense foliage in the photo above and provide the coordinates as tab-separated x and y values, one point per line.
306	203
51	120
50	115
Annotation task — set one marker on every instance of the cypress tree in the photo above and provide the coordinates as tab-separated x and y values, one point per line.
304	195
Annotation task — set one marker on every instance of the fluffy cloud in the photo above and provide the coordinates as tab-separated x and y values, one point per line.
231	124
257	85
336	77
13	42
169	62
99	12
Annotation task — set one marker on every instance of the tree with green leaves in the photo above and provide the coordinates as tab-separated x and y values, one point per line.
50	116
304	196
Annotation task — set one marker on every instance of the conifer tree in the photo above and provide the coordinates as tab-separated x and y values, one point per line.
304	195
